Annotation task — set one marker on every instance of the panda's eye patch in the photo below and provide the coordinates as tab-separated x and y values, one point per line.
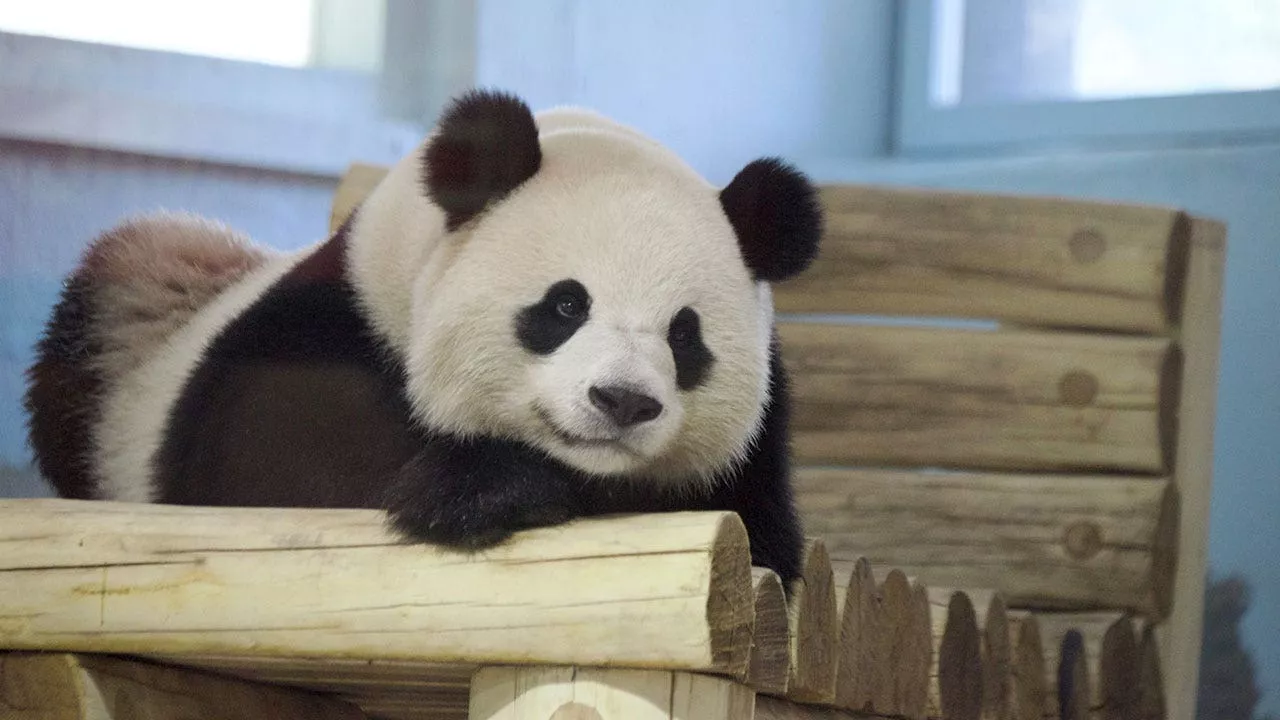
547	324
693	358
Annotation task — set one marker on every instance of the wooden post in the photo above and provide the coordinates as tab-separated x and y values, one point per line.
1028	698
955	688
1111	660
770	665
814	629
60	686
569	693
861	621
1200	340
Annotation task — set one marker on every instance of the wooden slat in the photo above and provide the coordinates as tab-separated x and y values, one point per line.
61	686
1111	661
815	629
770	667
1036	261
874	395
667	590
1042	541
1201	330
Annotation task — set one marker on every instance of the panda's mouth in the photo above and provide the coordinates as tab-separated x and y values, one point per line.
573	439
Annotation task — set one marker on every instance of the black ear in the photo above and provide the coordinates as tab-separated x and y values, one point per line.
485	146
777	217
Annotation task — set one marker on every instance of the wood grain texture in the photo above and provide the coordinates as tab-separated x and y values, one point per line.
1200	340
61	686
814	629
1111	660
667	590
1064	542
569	693
994	647
1035	261
871	395
955	686
770	665
1028	696
861	613
771	708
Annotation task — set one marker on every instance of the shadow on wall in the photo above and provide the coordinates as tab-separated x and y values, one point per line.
1228	690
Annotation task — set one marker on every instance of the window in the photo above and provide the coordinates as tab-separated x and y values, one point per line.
290	33
1010	72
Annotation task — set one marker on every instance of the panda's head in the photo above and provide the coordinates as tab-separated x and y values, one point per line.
584	291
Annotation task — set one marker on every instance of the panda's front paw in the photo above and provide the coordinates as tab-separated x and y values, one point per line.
476	494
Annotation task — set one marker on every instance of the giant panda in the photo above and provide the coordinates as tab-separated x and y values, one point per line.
530	319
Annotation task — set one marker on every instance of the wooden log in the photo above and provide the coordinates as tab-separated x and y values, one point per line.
862	632
1201	341
1028	697
61	686
670	590
814	628
770	665
955	687
1035	261
1111	661
568	693
868	395
1064	542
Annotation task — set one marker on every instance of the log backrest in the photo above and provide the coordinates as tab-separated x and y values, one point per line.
1007	392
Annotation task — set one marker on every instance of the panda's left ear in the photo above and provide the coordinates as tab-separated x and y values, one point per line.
486	145
776	214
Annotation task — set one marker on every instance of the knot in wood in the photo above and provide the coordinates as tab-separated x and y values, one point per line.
1083	540
1087	245
575	711
1078	388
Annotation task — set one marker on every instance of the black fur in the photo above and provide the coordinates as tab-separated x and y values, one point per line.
545	326
693	357
485	147
297	403
64	395
777	216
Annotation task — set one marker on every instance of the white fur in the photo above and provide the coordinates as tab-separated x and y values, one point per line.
136	409
645	235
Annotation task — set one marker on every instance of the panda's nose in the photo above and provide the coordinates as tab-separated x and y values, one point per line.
624	406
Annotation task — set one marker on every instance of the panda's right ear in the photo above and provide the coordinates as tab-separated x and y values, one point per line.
485	146
775	212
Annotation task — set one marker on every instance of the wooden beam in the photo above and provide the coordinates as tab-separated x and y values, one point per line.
1063	542
1034	261
1200	340
61	686
568	693
669	590
868	395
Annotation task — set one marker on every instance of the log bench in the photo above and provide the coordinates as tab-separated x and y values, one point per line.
1003	422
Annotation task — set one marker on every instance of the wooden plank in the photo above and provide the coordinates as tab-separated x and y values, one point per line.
1066	542
1028	698
930	397
568	693
1035	261
670	590
61	686
1200	339
860	608
814	628
955	688
770	666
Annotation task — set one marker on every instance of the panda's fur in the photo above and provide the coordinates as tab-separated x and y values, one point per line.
530	319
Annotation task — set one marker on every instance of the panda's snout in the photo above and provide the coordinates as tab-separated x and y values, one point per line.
624	407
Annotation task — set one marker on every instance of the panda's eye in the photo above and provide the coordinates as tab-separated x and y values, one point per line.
570	307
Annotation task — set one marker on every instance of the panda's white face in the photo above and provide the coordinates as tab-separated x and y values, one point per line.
601	312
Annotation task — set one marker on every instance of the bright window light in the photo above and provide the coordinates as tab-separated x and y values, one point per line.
275	32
